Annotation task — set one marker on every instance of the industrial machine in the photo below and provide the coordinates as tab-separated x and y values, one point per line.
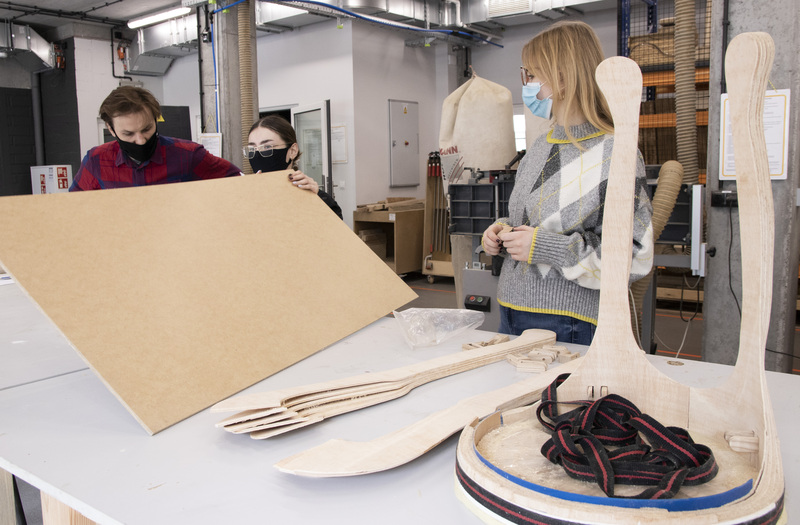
478	198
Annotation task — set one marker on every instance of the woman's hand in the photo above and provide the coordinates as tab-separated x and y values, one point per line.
303	181
517	242
491	243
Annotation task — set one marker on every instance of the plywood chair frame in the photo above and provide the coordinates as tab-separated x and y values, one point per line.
614	364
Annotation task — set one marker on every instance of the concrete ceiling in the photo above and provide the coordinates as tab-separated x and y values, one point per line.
47	14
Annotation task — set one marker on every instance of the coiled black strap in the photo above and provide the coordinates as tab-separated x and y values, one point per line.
610	441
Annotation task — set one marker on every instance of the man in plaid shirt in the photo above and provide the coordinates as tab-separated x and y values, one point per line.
140	156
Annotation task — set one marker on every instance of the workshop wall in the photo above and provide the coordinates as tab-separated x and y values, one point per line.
13	75
359	68
306	66
385	68
93	82
60	112
501	65
181	87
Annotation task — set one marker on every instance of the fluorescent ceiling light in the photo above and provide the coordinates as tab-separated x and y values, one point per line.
159	17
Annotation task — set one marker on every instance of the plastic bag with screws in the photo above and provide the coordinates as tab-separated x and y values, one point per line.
431	326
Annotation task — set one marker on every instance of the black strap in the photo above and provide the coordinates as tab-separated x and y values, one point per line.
642	451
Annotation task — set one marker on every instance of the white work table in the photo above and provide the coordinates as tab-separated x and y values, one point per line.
69	436
31	347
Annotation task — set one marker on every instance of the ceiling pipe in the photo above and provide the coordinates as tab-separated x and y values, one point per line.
73	15
38	127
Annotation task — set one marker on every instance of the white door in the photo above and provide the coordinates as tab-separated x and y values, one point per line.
312	125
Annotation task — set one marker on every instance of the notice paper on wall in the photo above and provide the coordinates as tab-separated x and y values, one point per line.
212	142
776	132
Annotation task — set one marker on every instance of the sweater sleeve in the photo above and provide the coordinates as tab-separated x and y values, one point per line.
578	255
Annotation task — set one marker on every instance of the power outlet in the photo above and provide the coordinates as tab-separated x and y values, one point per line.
724	199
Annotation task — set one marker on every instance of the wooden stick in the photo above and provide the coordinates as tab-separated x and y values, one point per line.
338	457
442	365
326	407
395	382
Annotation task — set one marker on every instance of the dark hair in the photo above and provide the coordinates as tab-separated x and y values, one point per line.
283	129
129	99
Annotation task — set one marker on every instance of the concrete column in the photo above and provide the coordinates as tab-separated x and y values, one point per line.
228	94
721	334
207	78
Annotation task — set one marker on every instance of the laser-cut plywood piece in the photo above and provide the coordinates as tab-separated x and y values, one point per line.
181	295
311	403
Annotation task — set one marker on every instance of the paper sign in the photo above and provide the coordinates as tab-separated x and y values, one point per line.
212	142
776	134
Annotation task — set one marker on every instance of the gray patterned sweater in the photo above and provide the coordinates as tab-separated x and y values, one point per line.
559	190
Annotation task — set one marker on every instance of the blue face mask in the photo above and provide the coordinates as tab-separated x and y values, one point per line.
540	108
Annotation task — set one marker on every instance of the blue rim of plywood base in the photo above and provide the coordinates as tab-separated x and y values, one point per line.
515	514
673	505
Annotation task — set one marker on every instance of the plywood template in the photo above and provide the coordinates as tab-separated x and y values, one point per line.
311	403
181	295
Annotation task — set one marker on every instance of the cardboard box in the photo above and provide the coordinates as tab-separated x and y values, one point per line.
379	247
51	179
376	240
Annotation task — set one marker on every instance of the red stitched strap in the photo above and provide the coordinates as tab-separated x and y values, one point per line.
610	441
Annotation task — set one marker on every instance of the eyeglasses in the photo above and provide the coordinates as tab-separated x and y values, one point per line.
265	150
526	77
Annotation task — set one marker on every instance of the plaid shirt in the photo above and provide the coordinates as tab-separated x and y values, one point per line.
174	160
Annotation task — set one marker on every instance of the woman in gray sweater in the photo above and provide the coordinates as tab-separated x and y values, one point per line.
551	239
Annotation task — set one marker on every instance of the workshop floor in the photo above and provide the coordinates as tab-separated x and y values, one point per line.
671	329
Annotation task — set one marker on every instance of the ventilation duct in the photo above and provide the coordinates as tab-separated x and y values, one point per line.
277	17
419	13
518	12
499	8
158	45
482	17
24	44
414	12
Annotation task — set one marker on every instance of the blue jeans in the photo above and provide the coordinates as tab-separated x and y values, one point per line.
567	329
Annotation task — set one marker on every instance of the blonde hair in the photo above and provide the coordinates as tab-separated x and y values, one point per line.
565	55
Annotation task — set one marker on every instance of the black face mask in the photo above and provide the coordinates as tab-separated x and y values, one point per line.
276	162
139	152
